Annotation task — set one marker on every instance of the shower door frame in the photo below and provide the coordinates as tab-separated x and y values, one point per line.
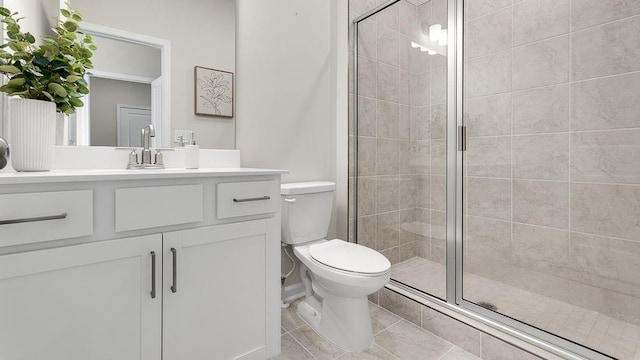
455	143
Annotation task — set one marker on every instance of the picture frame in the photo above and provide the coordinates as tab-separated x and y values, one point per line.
213	92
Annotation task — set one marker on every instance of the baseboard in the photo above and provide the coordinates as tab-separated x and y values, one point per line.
294	291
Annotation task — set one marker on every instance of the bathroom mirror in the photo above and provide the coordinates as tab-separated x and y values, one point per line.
198	33
130	88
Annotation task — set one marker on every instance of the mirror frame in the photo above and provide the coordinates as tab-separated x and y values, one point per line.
164	133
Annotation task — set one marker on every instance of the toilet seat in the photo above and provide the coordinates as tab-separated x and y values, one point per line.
349	257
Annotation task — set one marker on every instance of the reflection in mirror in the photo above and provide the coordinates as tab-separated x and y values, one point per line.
128	90
120	102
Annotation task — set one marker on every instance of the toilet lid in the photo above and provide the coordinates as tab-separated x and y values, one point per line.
351	257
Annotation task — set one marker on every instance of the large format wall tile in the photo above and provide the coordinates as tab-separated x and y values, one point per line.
388	120
544	203
541	157
420	89
366	196
367	231
535	20
585	13
404	95
541	110
487	238
420	155
438	193
367	114
387	156
540	245
488	75
388	83
541	63
477	8
606	156
387	193
488	156
490	198
388	46
489	34
423	191
367	149
407	15
606	50
438	121
439	86
488	115
406	163
387	230
607	103
612	258
420	125
367	77
439	157
608	210
367	39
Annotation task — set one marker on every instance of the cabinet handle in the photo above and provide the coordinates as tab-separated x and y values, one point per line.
174	287
252	199
33	219
153	274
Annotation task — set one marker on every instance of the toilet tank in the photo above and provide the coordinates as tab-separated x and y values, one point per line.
306	211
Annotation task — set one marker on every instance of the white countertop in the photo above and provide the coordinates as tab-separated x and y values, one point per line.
57	176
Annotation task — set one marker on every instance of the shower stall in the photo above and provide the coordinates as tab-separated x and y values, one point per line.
495	160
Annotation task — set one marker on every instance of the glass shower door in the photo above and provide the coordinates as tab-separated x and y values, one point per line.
551	171
400	130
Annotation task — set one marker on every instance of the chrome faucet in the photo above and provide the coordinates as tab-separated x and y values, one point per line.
145	138
147	161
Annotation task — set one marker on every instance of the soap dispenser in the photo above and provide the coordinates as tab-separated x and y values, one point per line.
192	154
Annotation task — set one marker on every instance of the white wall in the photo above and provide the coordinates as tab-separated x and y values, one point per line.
290	78
38	15
202	32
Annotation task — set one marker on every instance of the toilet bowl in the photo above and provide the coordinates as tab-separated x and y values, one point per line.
338	275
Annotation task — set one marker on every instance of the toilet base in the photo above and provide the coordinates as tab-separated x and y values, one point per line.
345	321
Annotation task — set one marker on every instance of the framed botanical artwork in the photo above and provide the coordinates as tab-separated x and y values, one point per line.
213	92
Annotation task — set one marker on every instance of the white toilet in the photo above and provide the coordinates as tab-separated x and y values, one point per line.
338	275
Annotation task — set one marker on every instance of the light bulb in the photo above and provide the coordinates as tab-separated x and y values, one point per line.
434	32
442	41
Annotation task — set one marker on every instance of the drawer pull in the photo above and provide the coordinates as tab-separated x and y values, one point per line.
153	274
252	199
33	219
174	286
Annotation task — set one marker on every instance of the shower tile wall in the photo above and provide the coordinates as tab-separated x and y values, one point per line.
401	143
552	169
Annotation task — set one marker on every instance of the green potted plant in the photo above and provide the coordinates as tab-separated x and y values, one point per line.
42	79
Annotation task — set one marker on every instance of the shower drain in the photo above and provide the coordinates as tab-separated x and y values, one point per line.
488	305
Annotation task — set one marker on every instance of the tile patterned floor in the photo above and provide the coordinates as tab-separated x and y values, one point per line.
395	339
609	335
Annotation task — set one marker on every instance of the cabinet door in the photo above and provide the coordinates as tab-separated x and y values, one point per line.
90	301
216	297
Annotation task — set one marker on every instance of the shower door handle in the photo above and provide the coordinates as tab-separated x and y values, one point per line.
462	138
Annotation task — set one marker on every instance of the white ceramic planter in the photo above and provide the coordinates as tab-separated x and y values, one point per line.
32	133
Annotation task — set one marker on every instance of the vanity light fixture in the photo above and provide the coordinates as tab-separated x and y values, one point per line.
422	48
434	32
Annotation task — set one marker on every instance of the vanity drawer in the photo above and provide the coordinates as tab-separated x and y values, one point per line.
35	217
247	198
150	207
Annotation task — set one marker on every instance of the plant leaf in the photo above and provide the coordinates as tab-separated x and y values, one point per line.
9	69
16	82
73	78
48	96
57	89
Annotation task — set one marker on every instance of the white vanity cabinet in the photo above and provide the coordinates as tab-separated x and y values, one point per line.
216	303
80	302
155	284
